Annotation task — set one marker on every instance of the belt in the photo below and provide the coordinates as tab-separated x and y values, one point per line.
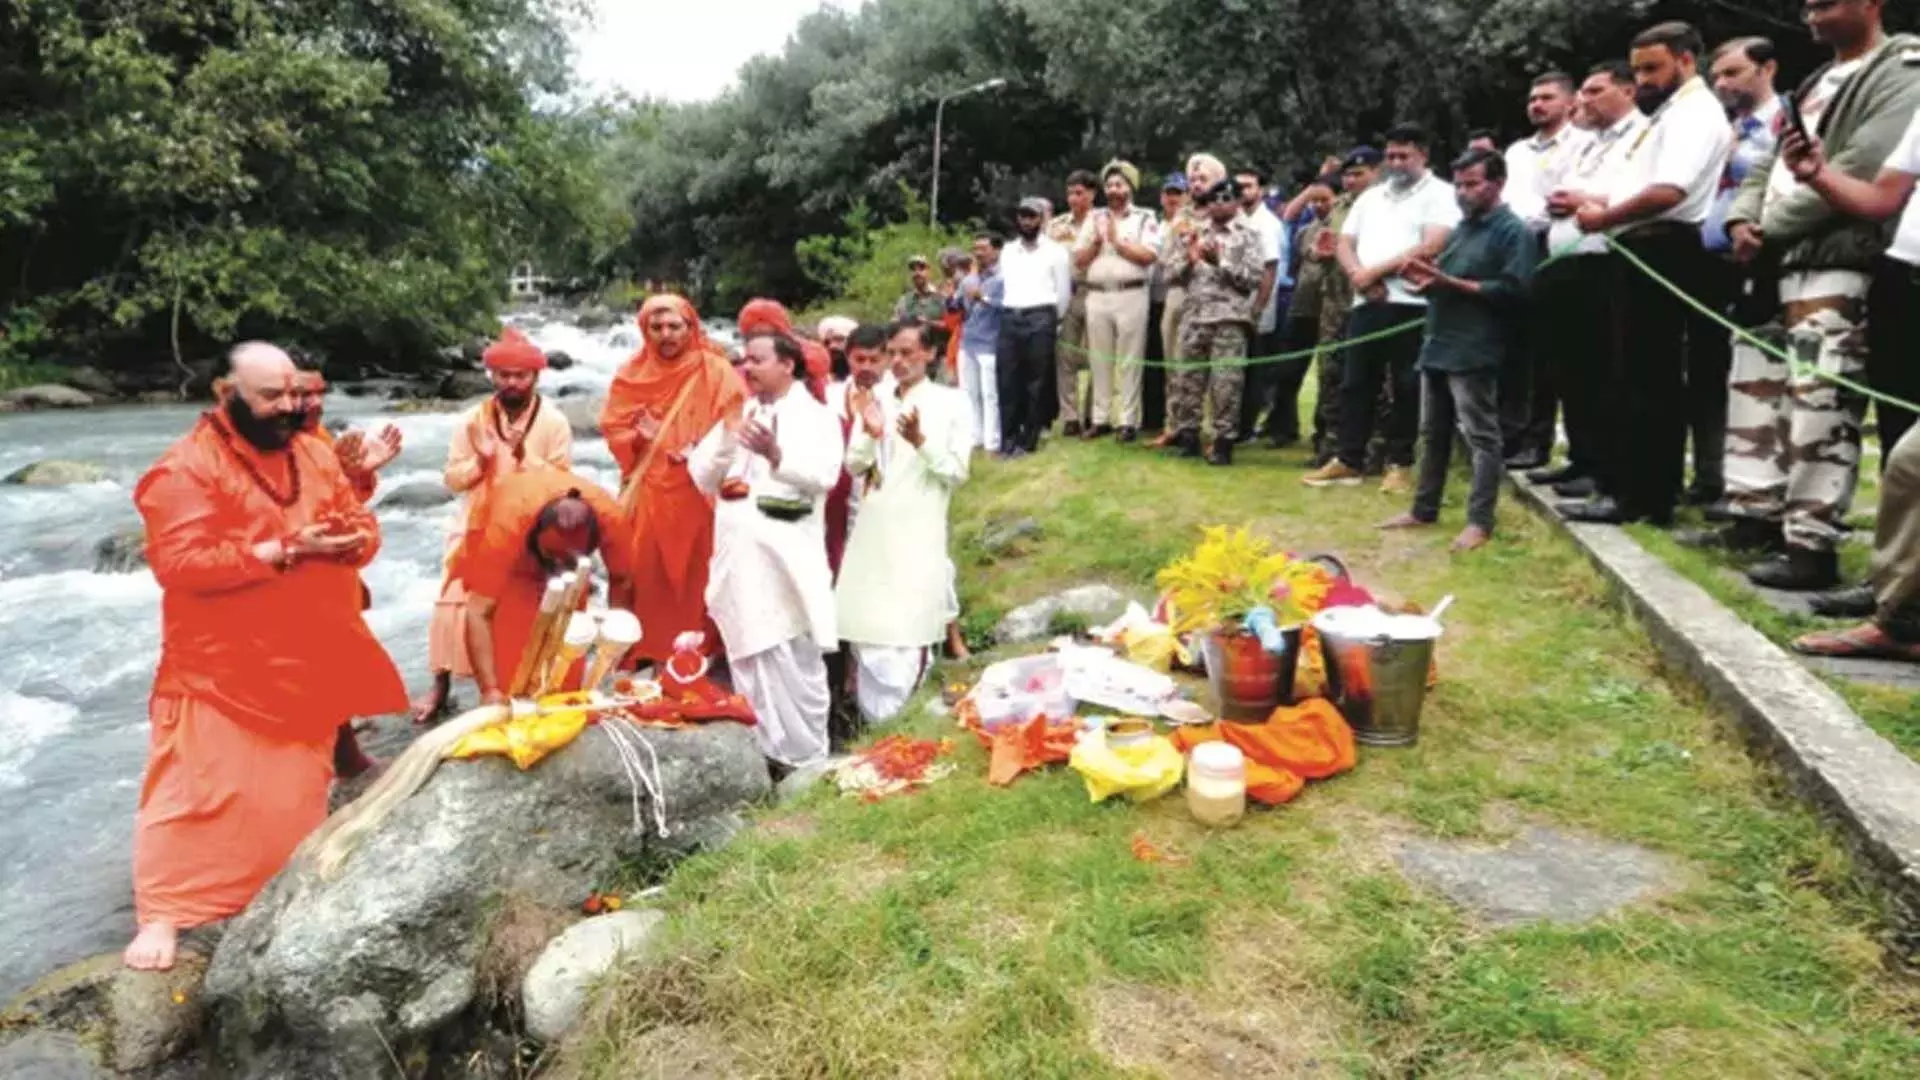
1116	286
1036	309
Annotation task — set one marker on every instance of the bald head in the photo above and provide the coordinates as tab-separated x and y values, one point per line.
261	397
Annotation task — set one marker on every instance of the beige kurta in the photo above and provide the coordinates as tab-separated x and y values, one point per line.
548	443
894	582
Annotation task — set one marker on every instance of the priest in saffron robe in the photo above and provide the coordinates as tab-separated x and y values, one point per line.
896	587
770	589
661	403
255	537
525	528
514	431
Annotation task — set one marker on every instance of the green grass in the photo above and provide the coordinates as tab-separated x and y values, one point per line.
13	376
969	931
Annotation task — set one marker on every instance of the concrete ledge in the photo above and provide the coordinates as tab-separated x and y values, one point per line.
1861	782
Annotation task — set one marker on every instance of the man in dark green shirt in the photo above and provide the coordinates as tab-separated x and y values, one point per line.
1476	288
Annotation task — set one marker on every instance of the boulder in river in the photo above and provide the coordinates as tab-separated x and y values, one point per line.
583	415
122	553
560	360
55	472
416	495
338	978
101	1018
48	396
460	385
90	380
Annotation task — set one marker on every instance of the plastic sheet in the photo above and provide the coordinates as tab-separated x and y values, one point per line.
1141	773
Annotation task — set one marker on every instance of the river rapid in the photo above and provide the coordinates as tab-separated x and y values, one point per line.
78	649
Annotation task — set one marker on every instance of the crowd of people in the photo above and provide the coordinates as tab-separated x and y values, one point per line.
785	510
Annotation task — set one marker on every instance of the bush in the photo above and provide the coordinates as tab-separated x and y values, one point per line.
864	267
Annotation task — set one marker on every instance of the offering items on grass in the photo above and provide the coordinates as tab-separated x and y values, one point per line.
1015	747
1217	784
1297	743
893	765
1126	758
1145	850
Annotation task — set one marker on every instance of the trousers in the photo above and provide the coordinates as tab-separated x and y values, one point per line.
1388	360
1468	402
1189	387
1116	343
1024	357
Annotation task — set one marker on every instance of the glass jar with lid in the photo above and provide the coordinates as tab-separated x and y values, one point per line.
1217	784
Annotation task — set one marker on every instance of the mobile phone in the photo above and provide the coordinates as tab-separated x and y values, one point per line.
1794	119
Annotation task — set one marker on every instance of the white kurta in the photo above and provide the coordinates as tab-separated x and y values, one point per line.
894	580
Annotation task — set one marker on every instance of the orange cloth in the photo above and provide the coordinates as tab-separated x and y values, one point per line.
513	352
496	563
1297	743
670	525
364	484
284	652
953	321
1016	748
222	807
541	438
770	316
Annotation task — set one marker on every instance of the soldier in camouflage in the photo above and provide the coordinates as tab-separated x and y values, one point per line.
1336	302
1070	345
1221	266
1793	437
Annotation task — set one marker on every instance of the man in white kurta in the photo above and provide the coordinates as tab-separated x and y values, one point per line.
895	588
769	588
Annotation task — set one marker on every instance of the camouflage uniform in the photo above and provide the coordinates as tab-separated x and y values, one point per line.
1173	235
1070	341
1215	324
1336	303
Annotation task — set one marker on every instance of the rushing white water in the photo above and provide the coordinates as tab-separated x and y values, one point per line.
77	649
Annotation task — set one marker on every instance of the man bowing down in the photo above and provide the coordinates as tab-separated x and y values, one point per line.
769	588
255	538
895	588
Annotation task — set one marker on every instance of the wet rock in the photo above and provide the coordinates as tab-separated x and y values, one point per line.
122	553
416	495
583	415
1003	535
55	472
1033	622
572	390
1544	875
155	1016
49	1055
48	396
560	360
100	1015
91	380
335	978
561	981
460	385
596	317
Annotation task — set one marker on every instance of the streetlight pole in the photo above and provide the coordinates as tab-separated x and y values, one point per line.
939	114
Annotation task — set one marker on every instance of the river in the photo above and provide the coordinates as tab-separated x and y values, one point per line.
78	649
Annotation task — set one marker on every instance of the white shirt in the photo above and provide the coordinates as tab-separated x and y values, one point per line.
1385	223
1595	170
1906	158
769	581
1273	239
1037	276
1138	226
1536	167
1812	102
1686	146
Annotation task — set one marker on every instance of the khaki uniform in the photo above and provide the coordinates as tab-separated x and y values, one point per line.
1215	325
1174	234
1070	340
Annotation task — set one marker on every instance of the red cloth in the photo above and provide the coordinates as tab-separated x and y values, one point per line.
285	653
513	352
763	316
669	523
839	506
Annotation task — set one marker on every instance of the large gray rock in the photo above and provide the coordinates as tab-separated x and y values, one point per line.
56	473
1544	875
49	1055
559	984
416	495
335	978
583	414
101	1018
122	553
90	380
560	360
460	385
49	396
1033	622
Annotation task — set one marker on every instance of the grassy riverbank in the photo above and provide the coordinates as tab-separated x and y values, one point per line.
972	931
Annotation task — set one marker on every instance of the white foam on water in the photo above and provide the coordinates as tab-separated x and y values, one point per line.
25	723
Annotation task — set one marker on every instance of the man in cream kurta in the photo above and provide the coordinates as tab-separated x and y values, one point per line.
895	582
769	588
513	431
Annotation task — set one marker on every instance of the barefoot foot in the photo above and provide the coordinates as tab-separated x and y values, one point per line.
1403	521
957	643
1471	537
433	706
153	948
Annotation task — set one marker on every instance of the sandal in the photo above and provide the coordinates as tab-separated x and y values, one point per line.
1864	642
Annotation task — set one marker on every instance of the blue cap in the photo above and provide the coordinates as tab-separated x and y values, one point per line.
1361	155
1175	181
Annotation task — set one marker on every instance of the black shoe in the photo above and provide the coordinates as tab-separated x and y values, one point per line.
1098	431
1070	429
1187	443
1526	459
1721	510
1740	534
1797	570
1599	510
1554	474
1580	487
1126	435
1846	602
1703	496
1222	452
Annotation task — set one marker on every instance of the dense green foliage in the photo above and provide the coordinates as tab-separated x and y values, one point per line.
355	176
722	192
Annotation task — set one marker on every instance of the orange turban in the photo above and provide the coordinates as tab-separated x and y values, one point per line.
513	352
765	316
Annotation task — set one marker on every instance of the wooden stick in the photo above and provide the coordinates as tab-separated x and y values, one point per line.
542	624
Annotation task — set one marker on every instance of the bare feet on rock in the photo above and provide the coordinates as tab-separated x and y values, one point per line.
431	708
1471	537
154	948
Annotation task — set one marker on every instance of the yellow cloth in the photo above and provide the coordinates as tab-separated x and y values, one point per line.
528	738
1141	773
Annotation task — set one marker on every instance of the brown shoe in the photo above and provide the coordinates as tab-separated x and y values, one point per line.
1398	481
1333	474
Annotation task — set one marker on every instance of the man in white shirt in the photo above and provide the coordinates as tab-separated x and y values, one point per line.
769	588
1536	165
1793	438
1654	212
1116	249
1405	216
895	589
1036	286
1263	380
